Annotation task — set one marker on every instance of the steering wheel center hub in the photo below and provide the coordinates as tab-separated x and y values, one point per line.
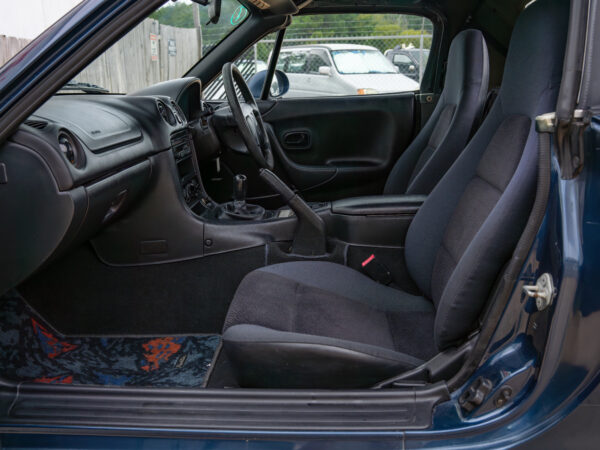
247	116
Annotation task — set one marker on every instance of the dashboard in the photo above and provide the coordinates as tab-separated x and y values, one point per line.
81	161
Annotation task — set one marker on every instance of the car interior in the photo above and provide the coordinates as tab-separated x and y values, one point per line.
159	240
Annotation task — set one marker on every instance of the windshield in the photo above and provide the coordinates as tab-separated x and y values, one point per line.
164	46
23	21
361	61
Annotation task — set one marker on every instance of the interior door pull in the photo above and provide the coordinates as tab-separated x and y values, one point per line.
296	140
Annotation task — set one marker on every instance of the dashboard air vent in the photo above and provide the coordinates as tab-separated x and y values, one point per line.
71	149
166	113
38	124
178	112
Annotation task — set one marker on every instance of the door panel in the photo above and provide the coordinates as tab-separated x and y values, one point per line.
337	147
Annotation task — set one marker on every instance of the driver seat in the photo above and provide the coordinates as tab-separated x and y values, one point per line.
325	325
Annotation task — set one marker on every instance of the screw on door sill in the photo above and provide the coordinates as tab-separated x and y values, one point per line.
503	396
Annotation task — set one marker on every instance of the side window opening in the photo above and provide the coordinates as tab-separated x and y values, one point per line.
316	60
346	54
297	63
401	59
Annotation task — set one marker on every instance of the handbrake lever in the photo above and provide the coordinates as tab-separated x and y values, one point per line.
310	235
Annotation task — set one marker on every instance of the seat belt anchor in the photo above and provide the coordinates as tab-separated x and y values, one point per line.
376	270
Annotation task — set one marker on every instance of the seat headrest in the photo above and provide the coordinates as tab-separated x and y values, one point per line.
535	58
468	63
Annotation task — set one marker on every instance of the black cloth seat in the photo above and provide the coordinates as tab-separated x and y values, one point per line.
449	127
320	325
310	313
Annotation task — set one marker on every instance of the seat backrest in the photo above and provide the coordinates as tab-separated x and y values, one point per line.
470	223
448	129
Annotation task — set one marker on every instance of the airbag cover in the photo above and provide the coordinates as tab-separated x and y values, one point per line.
98	128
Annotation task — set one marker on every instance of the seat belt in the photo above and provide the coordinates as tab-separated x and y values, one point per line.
573	114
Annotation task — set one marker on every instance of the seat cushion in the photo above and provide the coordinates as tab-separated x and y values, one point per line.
320	324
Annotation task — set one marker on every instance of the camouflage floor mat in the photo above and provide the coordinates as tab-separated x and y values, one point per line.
30	350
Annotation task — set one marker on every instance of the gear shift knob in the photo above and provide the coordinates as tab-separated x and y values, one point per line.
239	188
238	208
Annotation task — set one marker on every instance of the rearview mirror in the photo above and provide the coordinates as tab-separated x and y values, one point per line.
325	70
214	9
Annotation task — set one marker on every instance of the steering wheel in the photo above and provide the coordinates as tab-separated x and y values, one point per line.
247	116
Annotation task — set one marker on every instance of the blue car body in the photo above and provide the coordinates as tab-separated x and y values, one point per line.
557	377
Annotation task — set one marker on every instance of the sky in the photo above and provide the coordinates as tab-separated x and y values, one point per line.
28	18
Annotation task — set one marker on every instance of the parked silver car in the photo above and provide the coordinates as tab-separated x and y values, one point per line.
340	69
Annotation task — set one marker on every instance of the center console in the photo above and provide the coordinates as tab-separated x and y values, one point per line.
181	146
373	220
177	220
381	220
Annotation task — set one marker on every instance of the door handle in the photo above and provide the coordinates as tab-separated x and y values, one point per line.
296	140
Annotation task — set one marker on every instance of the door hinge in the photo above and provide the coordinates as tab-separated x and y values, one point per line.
569	139
543	291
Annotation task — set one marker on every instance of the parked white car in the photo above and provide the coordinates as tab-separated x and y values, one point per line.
340	69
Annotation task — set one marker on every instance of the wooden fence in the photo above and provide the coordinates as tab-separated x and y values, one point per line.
9	47
148	54
152	52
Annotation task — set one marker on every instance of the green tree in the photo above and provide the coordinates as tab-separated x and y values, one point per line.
378	26
179	15
308	26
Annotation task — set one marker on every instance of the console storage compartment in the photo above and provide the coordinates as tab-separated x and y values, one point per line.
375	220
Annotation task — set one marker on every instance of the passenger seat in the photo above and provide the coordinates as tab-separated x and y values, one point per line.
450	126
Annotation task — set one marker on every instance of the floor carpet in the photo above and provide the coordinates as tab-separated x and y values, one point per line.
30	350
80	295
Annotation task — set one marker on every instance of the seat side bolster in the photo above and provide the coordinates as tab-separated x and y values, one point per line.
267	357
